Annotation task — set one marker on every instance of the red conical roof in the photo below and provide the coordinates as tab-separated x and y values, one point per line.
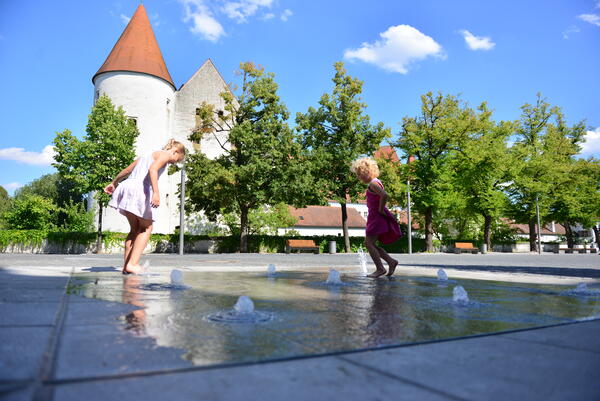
137	50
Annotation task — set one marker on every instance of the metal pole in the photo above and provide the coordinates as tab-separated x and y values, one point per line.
537	211
182	210
408	217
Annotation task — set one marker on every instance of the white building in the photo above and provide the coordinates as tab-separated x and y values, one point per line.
136	77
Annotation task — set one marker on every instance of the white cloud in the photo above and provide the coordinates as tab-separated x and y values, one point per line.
268	16
593	19
286	15
11	186
477	42
241	10
591	146
125	19
43	158
399	47
203	21
572	29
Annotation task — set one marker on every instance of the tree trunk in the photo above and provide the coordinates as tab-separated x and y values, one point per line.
487	231
99	242
244	229
569	234
345	227
597	232
429	228
532	235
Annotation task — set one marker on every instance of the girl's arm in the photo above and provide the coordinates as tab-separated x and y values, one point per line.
110	188
160	159
383	196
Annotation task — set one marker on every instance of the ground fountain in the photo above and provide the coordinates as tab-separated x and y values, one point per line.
362	260
333	278
271	271
176	277
242	312
442	276
459	295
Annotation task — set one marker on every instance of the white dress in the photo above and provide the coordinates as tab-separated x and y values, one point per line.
135	193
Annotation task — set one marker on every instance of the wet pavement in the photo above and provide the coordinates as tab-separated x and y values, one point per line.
73	327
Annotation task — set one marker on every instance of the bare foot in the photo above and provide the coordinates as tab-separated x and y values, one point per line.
376	273
392	268
133	269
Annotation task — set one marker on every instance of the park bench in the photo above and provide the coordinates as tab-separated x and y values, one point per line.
460	247
301	245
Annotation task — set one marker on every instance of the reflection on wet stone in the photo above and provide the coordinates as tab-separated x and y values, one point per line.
296	313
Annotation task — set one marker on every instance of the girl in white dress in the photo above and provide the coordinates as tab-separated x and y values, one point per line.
138	195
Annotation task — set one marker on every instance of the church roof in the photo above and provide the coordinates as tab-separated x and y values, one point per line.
137	50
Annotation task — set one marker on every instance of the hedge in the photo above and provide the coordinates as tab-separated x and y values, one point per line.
224	244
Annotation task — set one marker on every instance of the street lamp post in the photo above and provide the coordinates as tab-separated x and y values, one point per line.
182	210
408	218
537	212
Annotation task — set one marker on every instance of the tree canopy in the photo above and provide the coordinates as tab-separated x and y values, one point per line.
262	163
336	133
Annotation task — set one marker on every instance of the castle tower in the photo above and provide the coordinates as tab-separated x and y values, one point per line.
136	77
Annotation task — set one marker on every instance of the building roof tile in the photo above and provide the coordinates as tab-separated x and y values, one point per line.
137	50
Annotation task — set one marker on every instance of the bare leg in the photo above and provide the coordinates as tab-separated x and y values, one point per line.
140	242
374	252
133	232
392	263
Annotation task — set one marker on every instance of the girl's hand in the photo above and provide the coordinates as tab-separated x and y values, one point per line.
155	202
109	189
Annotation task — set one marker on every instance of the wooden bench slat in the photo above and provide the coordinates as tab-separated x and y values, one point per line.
464	246
301	245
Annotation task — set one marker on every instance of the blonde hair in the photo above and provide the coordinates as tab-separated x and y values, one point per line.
365	165
175	144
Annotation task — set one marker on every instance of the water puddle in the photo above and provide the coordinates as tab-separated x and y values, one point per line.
299	313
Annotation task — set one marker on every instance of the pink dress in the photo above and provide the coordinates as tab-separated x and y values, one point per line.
386	227
135	193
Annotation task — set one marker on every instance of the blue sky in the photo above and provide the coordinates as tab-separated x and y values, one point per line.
502	52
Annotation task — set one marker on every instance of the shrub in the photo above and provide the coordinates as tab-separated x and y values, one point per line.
31	212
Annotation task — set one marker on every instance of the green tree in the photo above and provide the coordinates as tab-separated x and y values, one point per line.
576	196
262	163
106	148
63	194
542	152
433	138
336	133
5	203
262	220
32	212
482	168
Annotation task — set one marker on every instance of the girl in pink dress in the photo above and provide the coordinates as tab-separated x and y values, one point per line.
138	195
381	224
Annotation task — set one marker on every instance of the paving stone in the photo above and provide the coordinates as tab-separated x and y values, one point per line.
28	313
95	312
493	368
20	394
97	350
580	336
306	379
21	350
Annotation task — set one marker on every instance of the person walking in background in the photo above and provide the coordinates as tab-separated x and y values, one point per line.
381	223
138	195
